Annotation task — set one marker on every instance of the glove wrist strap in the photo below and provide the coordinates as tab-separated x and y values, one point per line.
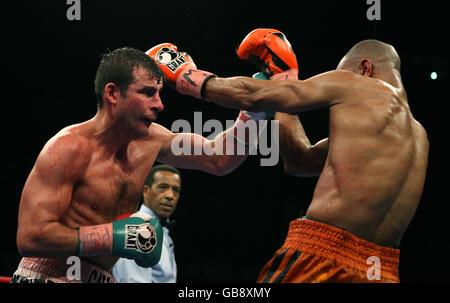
239	131
192	82
289	74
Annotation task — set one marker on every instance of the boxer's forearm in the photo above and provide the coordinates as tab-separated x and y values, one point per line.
238	141
299	156
240	93
219	155
51	240
193	151
287	96
230	155
256	95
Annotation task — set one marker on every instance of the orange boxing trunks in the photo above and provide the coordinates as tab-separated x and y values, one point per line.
316	252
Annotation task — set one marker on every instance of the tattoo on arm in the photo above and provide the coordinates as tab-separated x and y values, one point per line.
95	240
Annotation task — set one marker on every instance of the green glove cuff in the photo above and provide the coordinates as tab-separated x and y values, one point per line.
260	76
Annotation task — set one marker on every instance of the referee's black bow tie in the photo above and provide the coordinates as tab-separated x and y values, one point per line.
170	224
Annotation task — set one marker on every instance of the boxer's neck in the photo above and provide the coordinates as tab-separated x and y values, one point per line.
111	134
392	77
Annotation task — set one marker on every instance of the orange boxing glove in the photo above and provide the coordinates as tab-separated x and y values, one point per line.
170	60
270	51
180	69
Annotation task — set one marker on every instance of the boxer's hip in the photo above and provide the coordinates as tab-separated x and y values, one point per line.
60	270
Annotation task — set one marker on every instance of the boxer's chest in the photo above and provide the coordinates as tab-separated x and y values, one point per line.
110	189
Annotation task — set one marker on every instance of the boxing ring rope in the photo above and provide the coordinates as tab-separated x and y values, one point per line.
5	279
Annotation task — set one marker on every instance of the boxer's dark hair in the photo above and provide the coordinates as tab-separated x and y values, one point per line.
117	66
162	167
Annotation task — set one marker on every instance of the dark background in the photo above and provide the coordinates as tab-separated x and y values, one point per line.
227	227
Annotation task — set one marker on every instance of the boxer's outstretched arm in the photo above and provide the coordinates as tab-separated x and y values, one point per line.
46	197
225	160
289	96
300	158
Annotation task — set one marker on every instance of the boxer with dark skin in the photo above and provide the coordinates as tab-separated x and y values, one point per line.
91	173
371	168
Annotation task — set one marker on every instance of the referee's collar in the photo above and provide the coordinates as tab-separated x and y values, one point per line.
166	223
144	209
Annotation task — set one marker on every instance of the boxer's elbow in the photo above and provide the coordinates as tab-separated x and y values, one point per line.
250	102
25	244
246	95
300	171
307	167
305	161
221	169
265	98
26	250
225	165
31	242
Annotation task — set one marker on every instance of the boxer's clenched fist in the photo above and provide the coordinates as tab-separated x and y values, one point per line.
269	50
138	237
170	60
180	69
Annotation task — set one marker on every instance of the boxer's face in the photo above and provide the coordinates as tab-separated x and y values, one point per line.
142	103
162	197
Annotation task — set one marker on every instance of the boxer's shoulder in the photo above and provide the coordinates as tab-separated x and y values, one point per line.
68	147
157	133
157	137
72	138
344	86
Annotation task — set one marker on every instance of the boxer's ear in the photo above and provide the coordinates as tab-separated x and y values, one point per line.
111	93
365	67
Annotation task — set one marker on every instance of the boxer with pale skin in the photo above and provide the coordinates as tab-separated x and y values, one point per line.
371	168
90	173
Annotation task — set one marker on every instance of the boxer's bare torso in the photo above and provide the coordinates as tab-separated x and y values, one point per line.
91	173
372	168
105	184
373	177
111	184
